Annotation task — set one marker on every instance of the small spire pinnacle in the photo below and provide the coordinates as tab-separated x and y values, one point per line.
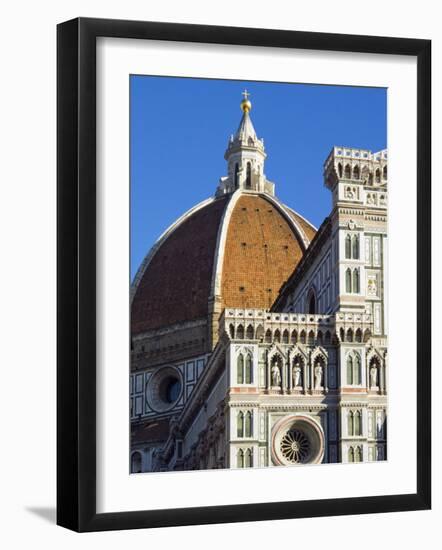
246	105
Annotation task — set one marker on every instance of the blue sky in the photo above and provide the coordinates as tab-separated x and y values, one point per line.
179	129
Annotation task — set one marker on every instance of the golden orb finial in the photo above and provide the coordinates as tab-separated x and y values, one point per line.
246	105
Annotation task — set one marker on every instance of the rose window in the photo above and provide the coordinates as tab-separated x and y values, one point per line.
295	446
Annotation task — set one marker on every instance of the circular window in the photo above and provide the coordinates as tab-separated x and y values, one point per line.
164	389
297	440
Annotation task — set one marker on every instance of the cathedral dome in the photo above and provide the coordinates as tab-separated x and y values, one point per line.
235	250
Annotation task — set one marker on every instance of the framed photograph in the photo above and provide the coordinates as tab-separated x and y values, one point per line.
244	255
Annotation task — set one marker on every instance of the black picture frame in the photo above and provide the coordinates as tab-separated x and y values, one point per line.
76	274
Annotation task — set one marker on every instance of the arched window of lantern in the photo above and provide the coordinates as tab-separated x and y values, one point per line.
350	423
356	173
249	369
240	369
350	370
348	247
347	172
248	424
236	177
348	281
135	462
356	247
358	423
358	370
356	280
240	424
351	454
249	332
339	169
240	459
249	176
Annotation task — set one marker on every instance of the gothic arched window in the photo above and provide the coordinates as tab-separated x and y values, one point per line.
249	369
358	454
248	425
358	423
268	336
356	280
135	463
249	459
384	172
347	172
249	333
350	370
348	247
348	281
377	175
240	369
340	170
249	176
358	370
356	247
240	332
312	302
351	454
350	423
240	424
277	336
356	173
240	459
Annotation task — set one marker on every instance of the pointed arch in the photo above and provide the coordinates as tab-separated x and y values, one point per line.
358	454
320	338
277	336
349	335
351	454
285	337
240	459
356	172
367	335
348	246
356	280
341	334
259	333
294	336
268	336
347	172
355	247
249	369
339	169
358	369
358	335
311	301
240	369
358	423
384	172
349	370
240	424
248	424
249	459
232	331
377	176
302	336
350	423
249	332
236	176
348	281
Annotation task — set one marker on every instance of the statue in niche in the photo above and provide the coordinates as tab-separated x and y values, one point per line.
297	375
318	376
276	376
373	377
